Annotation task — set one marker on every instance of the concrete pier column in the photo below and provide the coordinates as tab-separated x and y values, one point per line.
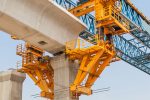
64	74
11	85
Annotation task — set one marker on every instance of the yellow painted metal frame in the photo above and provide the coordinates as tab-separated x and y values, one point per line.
107	15
83	8
38	68
93	60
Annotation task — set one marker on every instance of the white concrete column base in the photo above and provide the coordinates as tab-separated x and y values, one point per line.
11	85
64	74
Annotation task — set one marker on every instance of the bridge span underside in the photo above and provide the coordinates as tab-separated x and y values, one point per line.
40	22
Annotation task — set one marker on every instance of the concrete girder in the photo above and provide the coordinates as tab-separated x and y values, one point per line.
37	21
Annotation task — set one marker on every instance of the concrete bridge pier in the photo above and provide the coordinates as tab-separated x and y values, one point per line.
64	74
11	85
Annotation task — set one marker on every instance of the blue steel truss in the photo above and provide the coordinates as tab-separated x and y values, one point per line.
143	32
125	49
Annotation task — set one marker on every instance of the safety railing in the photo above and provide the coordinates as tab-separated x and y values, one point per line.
77	43
19	64
19	50
119	17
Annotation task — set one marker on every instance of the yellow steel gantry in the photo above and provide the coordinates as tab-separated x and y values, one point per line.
38	68
94	59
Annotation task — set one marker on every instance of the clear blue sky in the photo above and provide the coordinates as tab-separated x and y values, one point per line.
125	81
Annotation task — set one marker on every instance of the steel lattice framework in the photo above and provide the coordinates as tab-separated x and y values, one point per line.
134	50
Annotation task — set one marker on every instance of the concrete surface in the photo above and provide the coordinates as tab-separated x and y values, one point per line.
11	85
64	74
39	21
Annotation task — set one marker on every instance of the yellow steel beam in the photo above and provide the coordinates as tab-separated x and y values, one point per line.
80	71
96	73
105	23
83	8
90	65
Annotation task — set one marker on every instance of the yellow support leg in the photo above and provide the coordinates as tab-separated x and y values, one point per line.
93	60
96	73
